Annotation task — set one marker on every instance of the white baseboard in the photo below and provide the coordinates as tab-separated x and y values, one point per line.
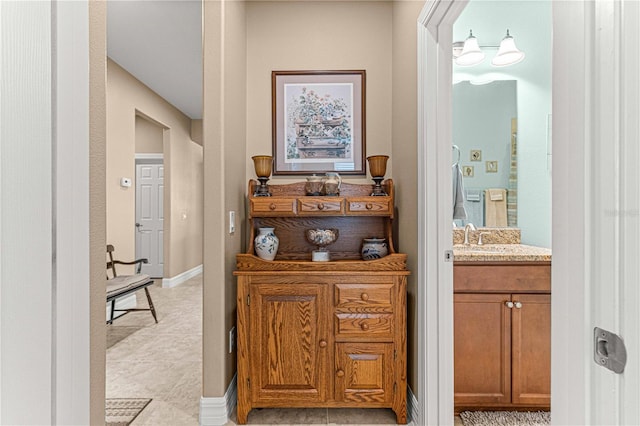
180	278
126	302
216	411
413	411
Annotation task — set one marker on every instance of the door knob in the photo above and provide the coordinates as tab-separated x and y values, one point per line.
340	373
323	343
518	305
509	304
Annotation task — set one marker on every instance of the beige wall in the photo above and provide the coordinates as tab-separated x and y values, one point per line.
148	138
126	97
405	152
224	130
319	36
378	36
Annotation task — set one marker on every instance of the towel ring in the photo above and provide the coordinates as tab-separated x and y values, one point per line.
455	147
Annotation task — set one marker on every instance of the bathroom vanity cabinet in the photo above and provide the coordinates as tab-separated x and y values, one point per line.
502	335
321	334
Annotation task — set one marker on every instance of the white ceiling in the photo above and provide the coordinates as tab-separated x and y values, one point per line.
160	43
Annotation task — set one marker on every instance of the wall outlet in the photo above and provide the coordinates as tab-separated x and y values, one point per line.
232	339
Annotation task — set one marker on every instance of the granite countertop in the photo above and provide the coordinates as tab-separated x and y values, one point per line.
500	253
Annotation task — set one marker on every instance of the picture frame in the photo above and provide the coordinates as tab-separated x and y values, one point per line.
491	167
318	122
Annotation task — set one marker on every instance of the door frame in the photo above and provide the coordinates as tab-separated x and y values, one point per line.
571	398
435	274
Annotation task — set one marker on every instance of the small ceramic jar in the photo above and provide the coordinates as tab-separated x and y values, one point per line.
266	244
374	248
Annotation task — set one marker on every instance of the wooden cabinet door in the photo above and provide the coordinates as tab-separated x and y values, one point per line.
364	373
289	346
531	349
482	349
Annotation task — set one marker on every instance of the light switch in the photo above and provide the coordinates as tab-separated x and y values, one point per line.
232	222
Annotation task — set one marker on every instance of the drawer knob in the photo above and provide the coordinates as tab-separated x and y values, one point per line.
323	343
364	326
340	373
364	296
369	206
272	206
320	206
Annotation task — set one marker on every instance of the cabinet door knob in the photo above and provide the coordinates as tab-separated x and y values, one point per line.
509	304
323	343
340	373
364	296
369	206
272	206
518	305
320	206
364	326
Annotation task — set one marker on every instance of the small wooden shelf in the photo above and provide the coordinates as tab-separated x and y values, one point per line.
393	262
355	213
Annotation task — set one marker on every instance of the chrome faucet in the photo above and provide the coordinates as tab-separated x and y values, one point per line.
468	227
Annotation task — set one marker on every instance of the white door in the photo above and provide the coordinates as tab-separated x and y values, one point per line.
150	217
596	208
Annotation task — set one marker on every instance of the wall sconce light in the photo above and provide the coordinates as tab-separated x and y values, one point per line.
469	52
508	53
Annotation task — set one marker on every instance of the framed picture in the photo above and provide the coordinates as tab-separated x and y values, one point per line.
318	122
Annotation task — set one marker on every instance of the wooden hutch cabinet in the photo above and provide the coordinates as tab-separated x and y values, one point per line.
322	334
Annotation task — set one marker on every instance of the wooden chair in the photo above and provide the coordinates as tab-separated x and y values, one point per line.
122	285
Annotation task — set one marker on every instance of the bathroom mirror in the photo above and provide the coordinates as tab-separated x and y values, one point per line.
485	131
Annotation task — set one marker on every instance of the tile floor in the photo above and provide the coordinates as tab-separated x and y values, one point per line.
164	361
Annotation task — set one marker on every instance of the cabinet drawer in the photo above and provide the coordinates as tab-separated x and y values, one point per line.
373	205
317	205
511	278
272	207
363	295
365	324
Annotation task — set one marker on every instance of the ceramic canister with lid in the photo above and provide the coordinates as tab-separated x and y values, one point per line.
374	248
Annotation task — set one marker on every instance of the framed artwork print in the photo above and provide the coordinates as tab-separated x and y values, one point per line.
318	122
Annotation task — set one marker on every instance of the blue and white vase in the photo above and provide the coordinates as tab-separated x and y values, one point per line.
266	244
374	248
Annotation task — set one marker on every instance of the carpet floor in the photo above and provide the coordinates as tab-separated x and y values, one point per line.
122	411
505	418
